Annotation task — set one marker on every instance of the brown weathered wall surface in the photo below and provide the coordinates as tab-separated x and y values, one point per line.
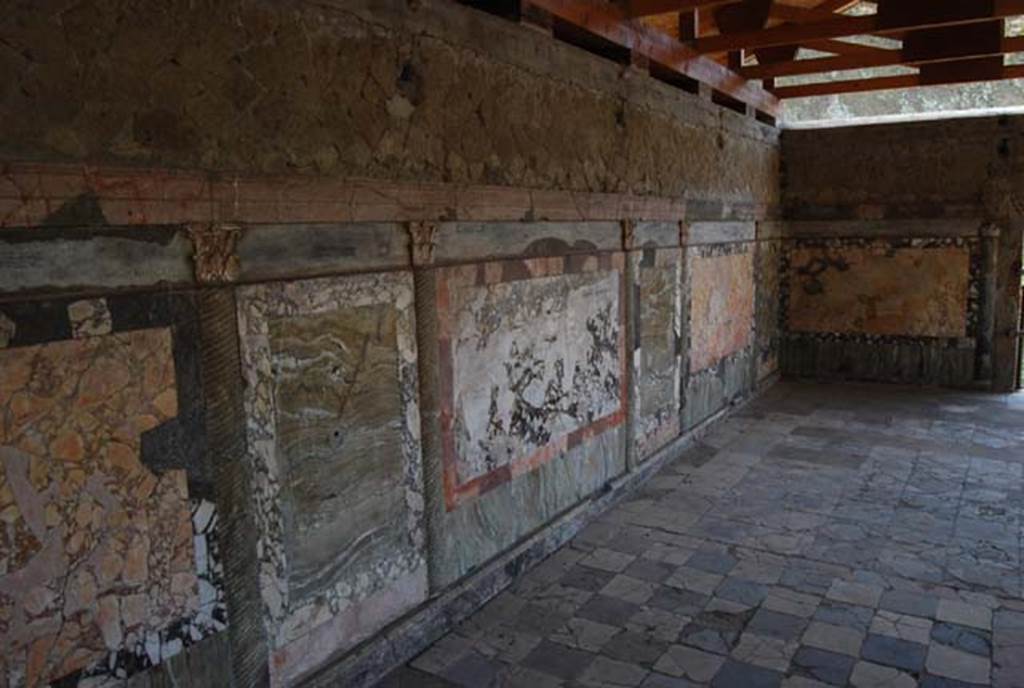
942	198
400	289
911	169
367	88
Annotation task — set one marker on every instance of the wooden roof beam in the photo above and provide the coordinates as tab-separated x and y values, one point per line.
883	59
924	15
836	5
610	23
838	47
799	15
953	76
646	8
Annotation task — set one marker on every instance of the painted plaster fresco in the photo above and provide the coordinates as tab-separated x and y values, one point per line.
768	330
532	356
333	425
880	290
657	360
109	555
722	303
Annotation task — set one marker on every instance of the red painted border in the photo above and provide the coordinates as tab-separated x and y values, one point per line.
456	493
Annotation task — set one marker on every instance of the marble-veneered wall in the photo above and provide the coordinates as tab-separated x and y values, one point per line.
880	290
109	544
319	518
543	360
720	276
333	435
722	310
658	273
531	371
888	301
768	329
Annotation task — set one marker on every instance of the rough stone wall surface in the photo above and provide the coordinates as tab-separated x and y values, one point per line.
903	245
913	169
293	173
427	91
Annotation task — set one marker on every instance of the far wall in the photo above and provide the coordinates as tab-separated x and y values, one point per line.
903	251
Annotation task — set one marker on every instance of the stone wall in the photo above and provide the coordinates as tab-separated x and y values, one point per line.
418	91
720	324
397	432
903	251
319	322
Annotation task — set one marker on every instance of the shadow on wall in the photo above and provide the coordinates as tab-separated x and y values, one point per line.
405	440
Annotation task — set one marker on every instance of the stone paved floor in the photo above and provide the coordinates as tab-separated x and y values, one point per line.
827	535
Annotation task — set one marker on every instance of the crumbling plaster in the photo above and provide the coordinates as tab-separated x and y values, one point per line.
388	89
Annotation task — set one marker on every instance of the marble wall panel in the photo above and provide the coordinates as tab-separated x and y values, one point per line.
721	302
464	241
658	353
880	290
333	426
279	251
532	397
712	233
48	259
109	547
768	323
533	356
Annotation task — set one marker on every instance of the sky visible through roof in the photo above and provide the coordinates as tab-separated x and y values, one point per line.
989	96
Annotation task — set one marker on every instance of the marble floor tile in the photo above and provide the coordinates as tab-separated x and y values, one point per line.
825	536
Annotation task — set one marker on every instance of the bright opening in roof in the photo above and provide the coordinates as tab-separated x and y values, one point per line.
919	102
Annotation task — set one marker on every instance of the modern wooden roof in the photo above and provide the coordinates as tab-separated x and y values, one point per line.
748	50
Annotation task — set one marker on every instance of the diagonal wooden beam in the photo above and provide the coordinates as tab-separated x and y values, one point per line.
835	5
799	15
840	26
821	65
832	45
883	59
887	83
645	8
611	23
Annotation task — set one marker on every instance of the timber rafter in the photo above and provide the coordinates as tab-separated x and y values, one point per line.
731	44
